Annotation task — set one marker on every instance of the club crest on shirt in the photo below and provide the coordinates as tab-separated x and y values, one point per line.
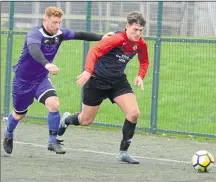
135	47
56	39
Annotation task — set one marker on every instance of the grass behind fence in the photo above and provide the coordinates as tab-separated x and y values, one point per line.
186	89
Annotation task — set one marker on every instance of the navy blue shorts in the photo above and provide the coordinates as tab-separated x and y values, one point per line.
23	93
96	90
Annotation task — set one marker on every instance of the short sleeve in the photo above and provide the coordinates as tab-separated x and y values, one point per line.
34	37
68	34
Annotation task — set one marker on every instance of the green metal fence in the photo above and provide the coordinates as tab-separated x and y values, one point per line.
179	94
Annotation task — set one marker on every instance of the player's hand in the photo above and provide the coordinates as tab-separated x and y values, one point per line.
139	82
83	78
108	34
53	69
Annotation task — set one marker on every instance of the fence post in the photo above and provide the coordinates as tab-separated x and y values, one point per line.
155	86
9	62
86	43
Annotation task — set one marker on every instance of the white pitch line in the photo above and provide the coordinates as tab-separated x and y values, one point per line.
106	153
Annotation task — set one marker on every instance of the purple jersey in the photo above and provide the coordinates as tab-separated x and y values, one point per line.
28	69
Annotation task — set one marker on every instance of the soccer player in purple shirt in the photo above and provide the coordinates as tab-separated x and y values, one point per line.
31	78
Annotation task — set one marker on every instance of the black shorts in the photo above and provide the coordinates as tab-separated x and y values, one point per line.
97	89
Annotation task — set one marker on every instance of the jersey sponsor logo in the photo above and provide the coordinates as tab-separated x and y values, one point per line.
122	58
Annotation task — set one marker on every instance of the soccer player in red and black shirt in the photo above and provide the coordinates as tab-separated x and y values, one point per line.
104	77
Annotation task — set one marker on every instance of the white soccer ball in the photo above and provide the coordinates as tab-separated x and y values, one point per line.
202	161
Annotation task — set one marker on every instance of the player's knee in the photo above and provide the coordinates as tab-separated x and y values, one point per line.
18	116
86	120
133	115
52	104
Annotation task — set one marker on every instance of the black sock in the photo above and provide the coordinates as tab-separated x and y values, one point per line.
73	119
128	133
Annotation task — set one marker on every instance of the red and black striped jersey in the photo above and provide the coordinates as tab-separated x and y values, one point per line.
109	57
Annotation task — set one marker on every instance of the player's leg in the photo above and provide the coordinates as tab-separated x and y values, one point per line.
92	98
46	94
84	118
12	122
123	96
22	98
129	105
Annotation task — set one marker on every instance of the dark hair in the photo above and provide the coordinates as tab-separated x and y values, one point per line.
136	17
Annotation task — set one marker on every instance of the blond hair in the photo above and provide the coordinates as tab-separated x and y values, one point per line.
53	11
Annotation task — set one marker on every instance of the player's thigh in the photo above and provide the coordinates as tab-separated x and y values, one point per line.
46	92
127	102
19	115
21	102
120	88
88	114
92	94
122	94
22	96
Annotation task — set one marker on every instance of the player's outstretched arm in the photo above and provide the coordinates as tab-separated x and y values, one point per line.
108	34
89	36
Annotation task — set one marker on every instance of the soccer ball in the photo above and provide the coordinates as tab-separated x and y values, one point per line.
202	161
